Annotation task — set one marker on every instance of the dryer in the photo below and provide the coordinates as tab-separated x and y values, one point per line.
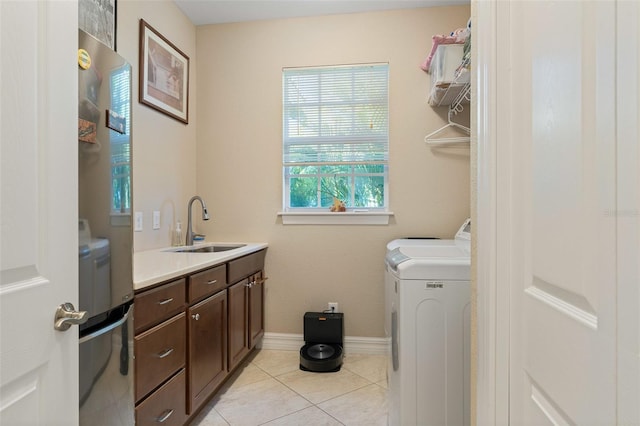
428	320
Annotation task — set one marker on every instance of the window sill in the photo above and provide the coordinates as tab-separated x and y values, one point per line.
335	218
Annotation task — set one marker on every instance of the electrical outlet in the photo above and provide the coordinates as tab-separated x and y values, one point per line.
156	220
137	225
333	307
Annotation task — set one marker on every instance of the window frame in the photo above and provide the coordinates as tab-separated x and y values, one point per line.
349	140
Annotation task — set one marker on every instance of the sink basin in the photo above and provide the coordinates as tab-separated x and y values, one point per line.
208	249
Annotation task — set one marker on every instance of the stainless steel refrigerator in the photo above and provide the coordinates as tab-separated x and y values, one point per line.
105	246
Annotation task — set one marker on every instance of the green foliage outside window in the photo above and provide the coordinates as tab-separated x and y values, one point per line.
358	185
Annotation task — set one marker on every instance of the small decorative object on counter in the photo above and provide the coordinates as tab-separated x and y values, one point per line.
177	235
338	206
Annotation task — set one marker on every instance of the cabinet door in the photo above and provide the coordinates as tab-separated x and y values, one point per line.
238	322
207	347
256	308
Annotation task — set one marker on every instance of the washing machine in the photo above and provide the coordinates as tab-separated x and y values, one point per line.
428	321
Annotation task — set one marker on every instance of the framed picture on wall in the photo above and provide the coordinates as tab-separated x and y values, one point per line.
98	18
164	74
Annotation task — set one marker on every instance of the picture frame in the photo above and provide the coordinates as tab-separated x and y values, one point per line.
99	18
164	74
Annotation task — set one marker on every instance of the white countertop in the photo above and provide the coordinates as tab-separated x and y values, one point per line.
155	266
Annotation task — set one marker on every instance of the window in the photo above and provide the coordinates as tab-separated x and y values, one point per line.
336	137
120	143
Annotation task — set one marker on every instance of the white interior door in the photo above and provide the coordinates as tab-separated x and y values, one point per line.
561	222
557	115
38	211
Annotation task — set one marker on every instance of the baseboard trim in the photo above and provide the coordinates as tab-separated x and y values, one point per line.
352	344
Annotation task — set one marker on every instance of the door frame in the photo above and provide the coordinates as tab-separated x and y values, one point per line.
491	260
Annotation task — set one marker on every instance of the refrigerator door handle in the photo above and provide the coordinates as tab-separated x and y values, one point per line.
107	328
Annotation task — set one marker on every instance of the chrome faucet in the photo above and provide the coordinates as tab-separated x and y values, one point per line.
205	216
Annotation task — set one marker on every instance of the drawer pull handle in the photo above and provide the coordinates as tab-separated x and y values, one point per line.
165	353
165	301
164	416
251	284
212	281
195	316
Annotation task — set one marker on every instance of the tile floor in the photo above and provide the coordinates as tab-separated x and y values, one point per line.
270	389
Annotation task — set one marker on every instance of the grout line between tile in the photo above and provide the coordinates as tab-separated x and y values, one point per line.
312	404
293	390
337	420
221	416
346	393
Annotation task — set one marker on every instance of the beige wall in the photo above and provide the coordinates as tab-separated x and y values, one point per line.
164	149
238	156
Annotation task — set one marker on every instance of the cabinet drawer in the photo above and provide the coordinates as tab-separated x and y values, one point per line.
167	406
207	282
156	305
245	266
160	352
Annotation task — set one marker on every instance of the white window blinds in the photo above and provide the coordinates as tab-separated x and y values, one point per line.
120	143
336	115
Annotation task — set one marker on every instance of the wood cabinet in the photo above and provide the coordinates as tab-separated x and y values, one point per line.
256	308
191	333
160	353
207	282
158	304
207	348
242	267
246	305
238	322
166	406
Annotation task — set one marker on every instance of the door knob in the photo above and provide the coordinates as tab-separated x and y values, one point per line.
66	316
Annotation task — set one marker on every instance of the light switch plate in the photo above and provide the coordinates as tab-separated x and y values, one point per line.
137	226
156	220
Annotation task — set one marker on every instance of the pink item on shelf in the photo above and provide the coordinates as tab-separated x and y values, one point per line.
437	41
461	34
